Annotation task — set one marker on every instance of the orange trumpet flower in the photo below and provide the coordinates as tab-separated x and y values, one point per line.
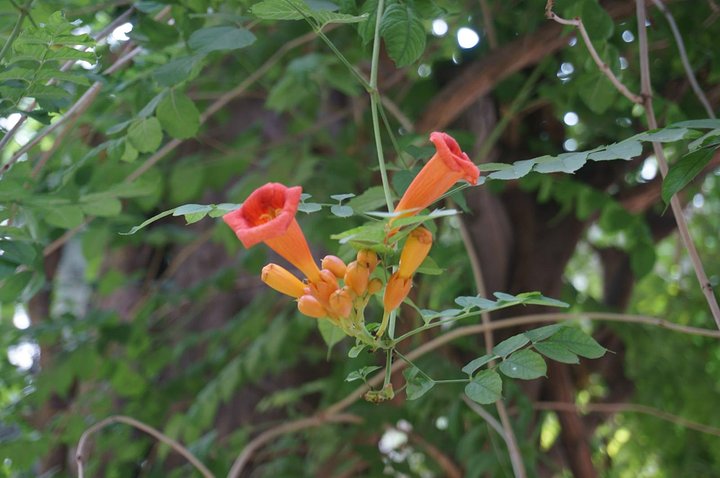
268	215
445	168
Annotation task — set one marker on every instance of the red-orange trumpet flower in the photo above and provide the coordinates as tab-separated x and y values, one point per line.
445	168
268	215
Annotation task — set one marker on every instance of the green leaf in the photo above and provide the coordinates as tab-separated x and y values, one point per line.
510	345
64	216
12	287
148	222
355	350
515	170
418	384
665	135
178	115
370	200
557	352
178	70
475	364
525	365
129	154
542	333
221	38
330	333
362	373
298	10
700	123
467	302
578	342
485	388
101	206
596	91
597	21
342	197
341	211
404	34
366	30
145	135
627	149
684	171
564	163
309	207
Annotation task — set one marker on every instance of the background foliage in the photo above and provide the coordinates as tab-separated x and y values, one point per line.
138	109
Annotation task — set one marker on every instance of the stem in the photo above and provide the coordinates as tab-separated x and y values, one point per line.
388	367
81	455
646	89
16	29
684	58
341	57
374	99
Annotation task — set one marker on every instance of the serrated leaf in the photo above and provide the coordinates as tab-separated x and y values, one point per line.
578	342
418	384
474	301
699	123
557	352
178	115
510	345
341	211
628	149
475	364
485	388
525	365
145	135
684	171
404	34
221	38
516	170
665	135
542	333
564	163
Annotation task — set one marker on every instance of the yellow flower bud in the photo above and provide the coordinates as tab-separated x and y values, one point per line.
367	258
335	265
417	246
282	280
341	302
356	277
374	286
326	285
310	306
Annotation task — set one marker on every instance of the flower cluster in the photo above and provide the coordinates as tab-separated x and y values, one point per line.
268	216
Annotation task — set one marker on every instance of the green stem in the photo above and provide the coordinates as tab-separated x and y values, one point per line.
390	132
409	362
342	58
453	380
16	29
374	97
388	364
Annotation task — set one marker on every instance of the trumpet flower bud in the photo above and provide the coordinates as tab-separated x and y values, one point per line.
341	302
335	265
374	286
326	285
396	290
417	246
368	259
310	306
357	277
282	280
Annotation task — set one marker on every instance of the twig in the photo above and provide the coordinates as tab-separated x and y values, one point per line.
24	11
488	24
290	427
441	340
485	416
604	68
684	58
81	456
646	89
508	434
627	407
